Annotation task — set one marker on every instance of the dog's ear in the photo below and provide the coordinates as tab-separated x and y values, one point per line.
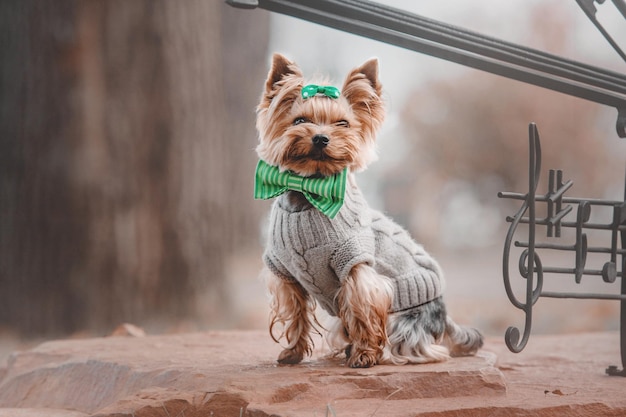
363	91
361	78
281	68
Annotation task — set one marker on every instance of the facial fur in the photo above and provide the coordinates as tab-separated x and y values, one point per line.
291	128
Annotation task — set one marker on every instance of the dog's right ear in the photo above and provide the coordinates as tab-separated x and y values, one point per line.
281	68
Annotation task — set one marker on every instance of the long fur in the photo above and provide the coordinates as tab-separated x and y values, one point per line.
364	329
421	335
294	311
364	302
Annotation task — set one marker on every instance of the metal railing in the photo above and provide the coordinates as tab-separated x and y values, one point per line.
411	31
589	7
420	34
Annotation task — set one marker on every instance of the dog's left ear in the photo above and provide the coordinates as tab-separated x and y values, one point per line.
361	78
363	91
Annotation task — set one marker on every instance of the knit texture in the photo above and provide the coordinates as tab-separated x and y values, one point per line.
319	253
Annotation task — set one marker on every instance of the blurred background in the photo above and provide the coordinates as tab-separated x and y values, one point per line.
127	156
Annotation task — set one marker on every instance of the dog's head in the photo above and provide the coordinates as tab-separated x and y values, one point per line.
317	135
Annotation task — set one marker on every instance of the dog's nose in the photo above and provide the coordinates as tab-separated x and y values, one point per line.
320	141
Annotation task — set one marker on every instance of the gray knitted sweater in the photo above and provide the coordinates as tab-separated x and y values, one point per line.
306	246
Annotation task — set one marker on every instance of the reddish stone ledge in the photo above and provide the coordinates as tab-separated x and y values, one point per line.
234	374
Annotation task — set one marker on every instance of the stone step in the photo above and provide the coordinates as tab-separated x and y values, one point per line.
235	374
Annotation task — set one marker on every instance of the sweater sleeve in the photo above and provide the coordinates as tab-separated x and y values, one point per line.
276	267
358	249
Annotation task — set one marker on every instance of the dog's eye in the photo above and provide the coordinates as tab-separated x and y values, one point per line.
342	123
299	120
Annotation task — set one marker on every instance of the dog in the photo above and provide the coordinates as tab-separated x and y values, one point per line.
326	246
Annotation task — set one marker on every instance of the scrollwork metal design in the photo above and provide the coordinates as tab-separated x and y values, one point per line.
529	262
530	266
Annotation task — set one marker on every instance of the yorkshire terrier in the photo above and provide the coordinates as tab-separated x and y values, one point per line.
326	246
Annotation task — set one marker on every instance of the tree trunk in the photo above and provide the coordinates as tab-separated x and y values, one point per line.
126	159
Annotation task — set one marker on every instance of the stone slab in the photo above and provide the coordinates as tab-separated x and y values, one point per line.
39	412
234	373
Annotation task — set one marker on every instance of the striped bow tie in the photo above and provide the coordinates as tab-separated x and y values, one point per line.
325	194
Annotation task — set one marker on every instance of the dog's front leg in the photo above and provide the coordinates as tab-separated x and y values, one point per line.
364	302
293	309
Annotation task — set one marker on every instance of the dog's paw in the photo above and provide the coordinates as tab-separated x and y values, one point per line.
290	357
364	359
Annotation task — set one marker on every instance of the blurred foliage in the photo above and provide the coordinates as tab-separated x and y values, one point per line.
467	139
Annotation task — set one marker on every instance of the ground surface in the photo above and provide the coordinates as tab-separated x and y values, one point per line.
234	374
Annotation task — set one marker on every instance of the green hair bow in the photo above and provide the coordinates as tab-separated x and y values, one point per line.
312	90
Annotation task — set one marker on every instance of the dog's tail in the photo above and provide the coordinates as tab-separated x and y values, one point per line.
461	340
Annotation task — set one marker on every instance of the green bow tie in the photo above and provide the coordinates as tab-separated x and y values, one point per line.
311	90
326	194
